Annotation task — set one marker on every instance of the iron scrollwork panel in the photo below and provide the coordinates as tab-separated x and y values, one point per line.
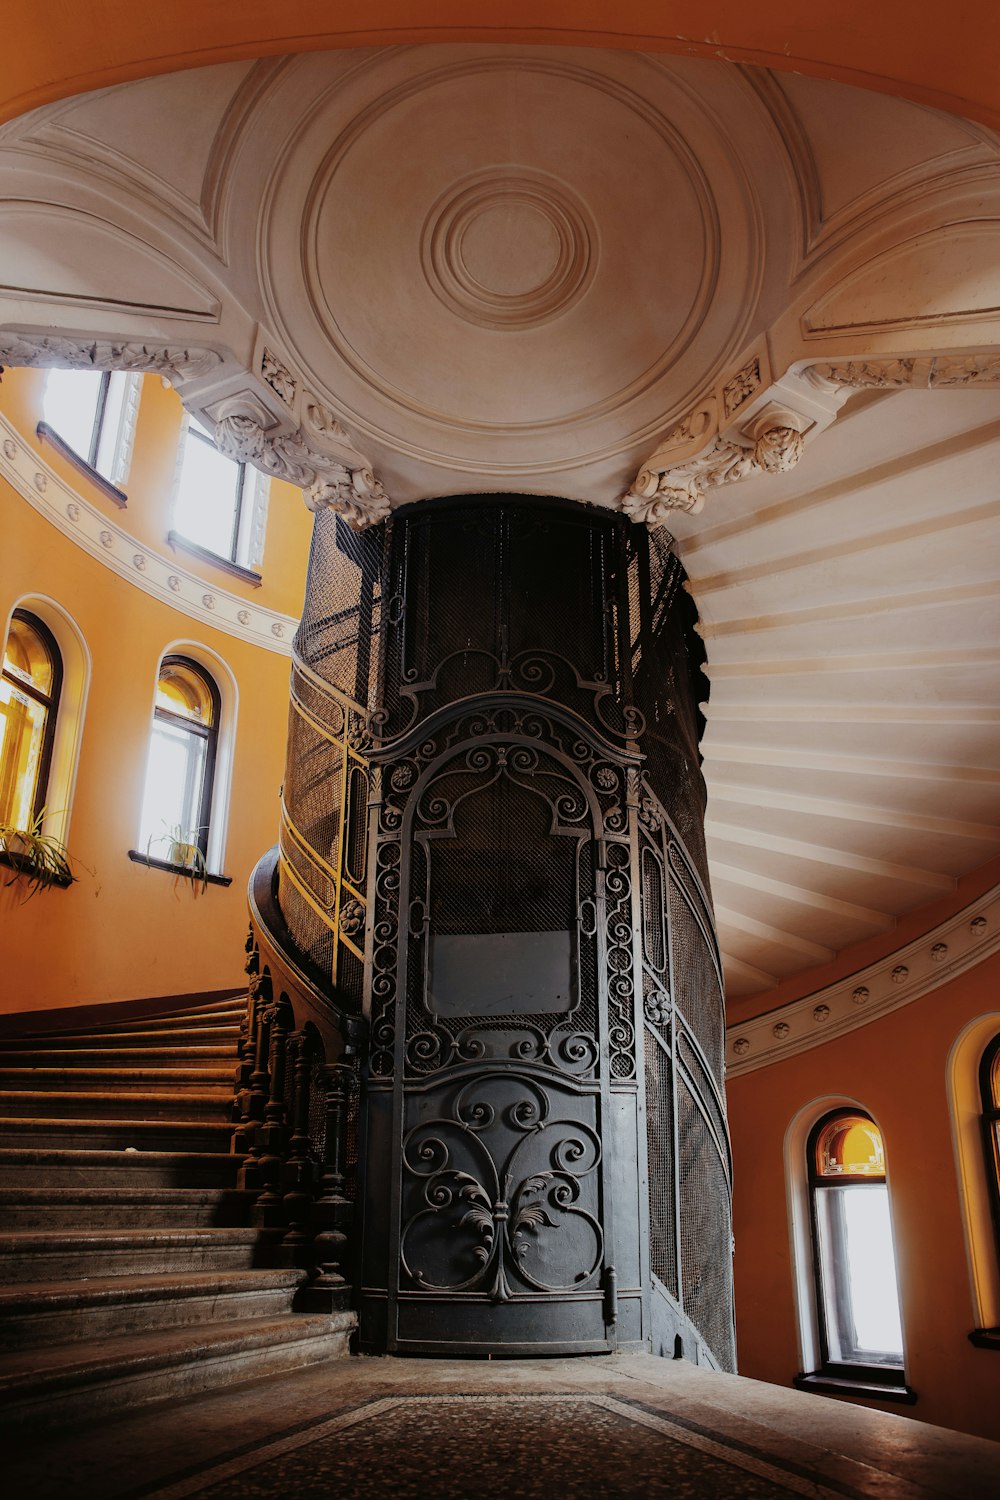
501	1189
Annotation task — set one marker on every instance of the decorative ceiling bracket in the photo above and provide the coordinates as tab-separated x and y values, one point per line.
264	416
751	424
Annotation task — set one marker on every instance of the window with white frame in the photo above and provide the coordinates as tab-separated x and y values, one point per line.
94	412
219	506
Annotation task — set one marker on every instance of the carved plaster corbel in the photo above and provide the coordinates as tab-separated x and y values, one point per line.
675	478
318	457
56	351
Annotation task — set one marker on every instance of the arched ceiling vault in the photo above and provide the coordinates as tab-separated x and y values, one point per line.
757	307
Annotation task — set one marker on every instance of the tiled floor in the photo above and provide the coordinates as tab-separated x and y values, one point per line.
612	1427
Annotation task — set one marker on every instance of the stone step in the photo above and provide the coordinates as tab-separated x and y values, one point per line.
99	1080
227	1013
115	1057
39	1255
146	1036
114	1135
209	1105
59	1312
72	1207
58	1386
55	1167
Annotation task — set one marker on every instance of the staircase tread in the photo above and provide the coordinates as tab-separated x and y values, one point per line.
18	1241
205	1096
69	1122
122	1157
139	1197
44	1296
165	1075
72	1364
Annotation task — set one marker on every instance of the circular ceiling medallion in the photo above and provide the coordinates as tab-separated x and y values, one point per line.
508	249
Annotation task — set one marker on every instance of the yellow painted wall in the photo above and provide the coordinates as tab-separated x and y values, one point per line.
896	1068
124	931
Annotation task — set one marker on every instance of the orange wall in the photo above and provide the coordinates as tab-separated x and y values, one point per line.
895	1067
910	47
125	931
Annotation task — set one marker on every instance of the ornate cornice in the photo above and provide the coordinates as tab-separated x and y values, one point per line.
50	352
264	417
916	969
116	549
934	372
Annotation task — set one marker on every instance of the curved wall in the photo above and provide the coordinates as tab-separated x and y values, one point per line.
124	931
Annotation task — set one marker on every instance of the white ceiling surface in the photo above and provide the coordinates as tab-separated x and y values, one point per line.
851	613
515	269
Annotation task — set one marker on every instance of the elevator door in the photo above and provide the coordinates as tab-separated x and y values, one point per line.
489	1096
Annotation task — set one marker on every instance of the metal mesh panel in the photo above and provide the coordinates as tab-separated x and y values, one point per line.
660	1143
696	985
706	1232
339	631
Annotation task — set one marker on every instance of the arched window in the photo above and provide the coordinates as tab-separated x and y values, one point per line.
855	1264
30	683
177	803
989	1084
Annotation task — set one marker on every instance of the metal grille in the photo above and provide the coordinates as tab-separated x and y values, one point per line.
706	1232
696	984
660	1144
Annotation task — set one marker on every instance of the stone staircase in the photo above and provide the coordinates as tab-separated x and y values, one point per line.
128	1270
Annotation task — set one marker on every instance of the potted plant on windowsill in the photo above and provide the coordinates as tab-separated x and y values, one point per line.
39	858
183	853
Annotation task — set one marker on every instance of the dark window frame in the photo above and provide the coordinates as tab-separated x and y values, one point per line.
208	732
860	1373
991	1130
230	557
49	701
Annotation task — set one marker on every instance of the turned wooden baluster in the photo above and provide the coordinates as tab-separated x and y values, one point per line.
245	1136
332	1212
270	1141
300	1168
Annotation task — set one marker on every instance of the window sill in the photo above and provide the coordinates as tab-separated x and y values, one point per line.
204	554
985	1338
172	869
863	1385
111	491
20	867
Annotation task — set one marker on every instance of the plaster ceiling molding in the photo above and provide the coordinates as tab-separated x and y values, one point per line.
115	548
116	136
50	352
917	969
949	274
751	425
862	155
492	205
109	269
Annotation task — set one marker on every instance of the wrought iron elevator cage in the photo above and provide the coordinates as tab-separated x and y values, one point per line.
492	845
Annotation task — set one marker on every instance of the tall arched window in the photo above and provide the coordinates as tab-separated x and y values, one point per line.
989	1084
177	802
856	1286
30	683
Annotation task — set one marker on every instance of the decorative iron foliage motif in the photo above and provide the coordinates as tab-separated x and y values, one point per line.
500	1192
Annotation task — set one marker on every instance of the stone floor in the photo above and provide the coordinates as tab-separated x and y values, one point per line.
622	1426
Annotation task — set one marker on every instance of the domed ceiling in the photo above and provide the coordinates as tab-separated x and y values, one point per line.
403	273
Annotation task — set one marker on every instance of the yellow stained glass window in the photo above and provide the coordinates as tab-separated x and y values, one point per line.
850	1146
29	688
182	691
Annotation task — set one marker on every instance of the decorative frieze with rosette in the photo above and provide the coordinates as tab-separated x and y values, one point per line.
57	352
929	372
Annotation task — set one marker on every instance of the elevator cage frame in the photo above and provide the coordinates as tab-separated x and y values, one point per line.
492	846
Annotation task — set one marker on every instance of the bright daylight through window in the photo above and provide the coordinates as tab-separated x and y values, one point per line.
93	412
856	1266
219	504
177	802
